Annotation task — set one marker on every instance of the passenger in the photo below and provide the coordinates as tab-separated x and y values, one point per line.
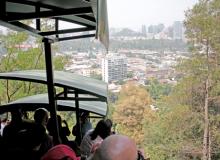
25	115
29	142
60	152
41	118
117	147
109	122
94	137
85	127
3	124
64	131
17	124
32	141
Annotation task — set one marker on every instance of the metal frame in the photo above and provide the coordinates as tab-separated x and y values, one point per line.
31	103
50	87
68	90
12	20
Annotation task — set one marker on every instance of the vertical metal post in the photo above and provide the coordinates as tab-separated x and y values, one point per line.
56	27
50	87
65	92
2	8
38	26
78	126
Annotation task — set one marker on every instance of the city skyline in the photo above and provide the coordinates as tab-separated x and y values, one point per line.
130	14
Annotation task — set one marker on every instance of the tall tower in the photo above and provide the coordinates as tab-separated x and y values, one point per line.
177	30
143	30
114	68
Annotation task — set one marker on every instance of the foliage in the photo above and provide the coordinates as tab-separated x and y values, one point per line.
157	90
177	129
96	76
130	74
202	26
85	45
112	97
23	55
120	82
130	111
173	133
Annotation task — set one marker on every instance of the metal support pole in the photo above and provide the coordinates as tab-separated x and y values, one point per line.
65	92
38	26
56	27
50	88
78	126
2	8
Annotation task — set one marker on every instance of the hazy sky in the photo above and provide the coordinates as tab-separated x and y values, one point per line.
134	13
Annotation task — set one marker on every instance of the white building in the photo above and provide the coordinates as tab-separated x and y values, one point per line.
114	68
178	30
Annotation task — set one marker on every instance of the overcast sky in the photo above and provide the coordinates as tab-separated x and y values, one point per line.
134	13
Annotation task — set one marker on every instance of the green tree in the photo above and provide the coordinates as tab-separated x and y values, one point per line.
203	32
96	76
172	133
187	123
20	58
130	74
130	110
157	90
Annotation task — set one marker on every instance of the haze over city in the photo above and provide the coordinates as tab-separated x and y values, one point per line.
133	14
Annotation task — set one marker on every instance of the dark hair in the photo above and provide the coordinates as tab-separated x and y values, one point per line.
32	137
102	129
140	156
16	115
109	122
51	127
39	114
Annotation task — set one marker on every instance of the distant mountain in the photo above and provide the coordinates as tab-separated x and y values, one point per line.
125	32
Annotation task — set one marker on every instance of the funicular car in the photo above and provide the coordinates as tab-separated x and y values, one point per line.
78	93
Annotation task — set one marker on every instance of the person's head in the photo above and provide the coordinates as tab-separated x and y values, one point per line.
41	116
102	129
51	125
32	138
109	122
60	152
116	147
16	116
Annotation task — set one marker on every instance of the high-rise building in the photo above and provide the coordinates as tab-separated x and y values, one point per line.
143	30
156	28
170	31
160	27
114	67
177	30
151	29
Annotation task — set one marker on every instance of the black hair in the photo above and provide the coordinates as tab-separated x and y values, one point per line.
51	125
102	129
39	114
32	137
109	122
